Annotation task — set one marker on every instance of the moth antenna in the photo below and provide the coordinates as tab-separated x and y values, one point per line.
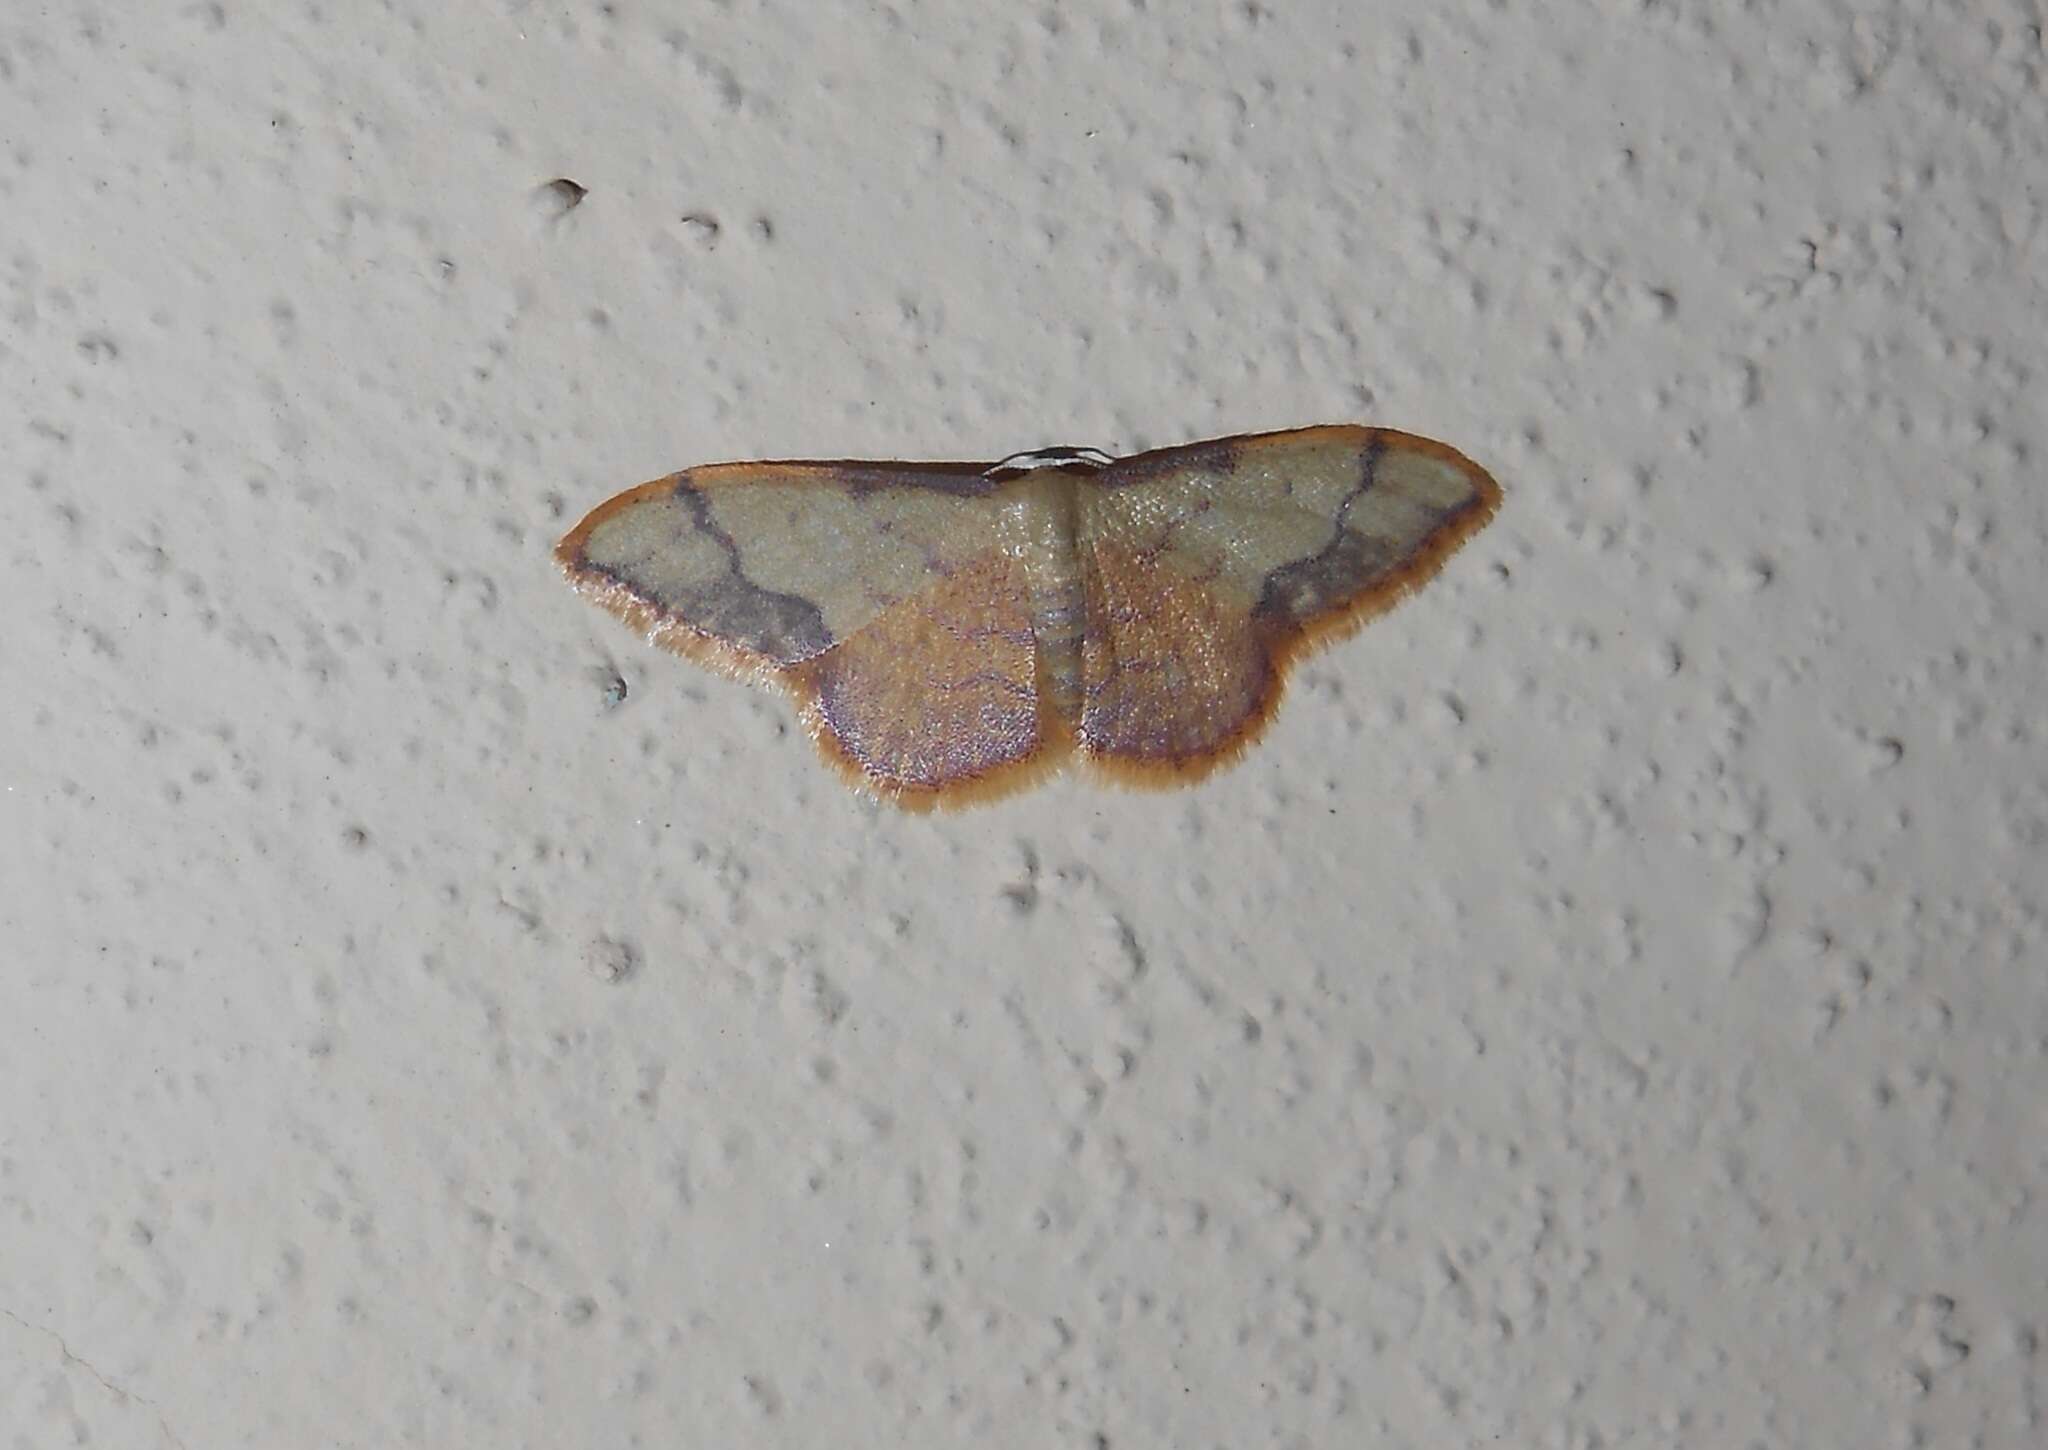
1032	458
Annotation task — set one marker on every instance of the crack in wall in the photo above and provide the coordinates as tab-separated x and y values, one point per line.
64	1349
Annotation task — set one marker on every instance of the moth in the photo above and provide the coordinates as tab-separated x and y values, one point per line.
952	632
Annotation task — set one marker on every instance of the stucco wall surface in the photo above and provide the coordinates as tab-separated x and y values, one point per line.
1608	1010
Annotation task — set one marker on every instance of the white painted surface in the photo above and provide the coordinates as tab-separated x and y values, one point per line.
1610	1010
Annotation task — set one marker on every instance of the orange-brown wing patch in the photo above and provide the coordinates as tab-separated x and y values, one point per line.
936	701
1170	664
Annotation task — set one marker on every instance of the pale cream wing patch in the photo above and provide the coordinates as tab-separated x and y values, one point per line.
1295	525
755	567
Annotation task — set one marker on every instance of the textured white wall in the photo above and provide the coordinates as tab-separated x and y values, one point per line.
1609	1010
